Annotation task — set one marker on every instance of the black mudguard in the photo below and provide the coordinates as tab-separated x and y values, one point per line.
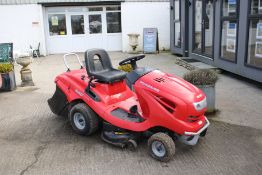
58	103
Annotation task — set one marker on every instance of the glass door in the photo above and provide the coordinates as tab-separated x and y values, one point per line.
96	27
95	24
203	27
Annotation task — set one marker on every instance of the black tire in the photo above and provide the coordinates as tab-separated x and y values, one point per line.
131	145
87	115
168	144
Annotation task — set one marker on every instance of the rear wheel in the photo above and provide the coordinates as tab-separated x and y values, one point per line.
83	119
161	147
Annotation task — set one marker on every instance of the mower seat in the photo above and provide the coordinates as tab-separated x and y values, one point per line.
98	65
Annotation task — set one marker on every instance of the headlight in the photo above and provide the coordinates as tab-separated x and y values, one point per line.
200	105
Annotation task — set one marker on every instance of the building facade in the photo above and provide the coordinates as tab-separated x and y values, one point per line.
77	25
223	33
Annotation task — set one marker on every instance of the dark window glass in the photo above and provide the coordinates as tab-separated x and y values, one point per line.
255	43
113	20
57	24
77	24
95	24
115	8
256	7
229	7
228	41
95	9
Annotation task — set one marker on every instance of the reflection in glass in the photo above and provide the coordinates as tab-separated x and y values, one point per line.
95	24
229	7
198	25
177	10
77	24
255	43
57	24
228	40
177	34
208	18
177	26
113	20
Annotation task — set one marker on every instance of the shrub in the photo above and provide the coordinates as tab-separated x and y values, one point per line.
125	68
6	67
201	77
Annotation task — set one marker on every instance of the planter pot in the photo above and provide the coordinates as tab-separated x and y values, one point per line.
133	41
7	82
26	73
210	92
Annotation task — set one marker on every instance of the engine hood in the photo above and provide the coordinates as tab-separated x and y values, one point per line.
160	82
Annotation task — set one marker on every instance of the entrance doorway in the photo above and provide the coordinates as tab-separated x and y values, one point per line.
203	28
78	28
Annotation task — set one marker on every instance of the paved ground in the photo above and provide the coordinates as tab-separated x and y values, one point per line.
35	141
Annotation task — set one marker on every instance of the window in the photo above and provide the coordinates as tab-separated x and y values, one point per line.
57	24
177	23
95	24
77	24
113	19
229	23
254	56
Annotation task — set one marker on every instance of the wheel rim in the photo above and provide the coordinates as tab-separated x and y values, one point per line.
158	148
79	120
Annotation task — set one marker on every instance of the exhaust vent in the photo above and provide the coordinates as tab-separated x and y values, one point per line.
168	105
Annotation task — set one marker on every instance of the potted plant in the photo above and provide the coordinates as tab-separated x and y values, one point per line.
7	77
204	79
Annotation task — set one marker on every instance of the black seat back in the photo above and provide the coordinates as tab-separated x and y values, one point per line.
93	65
101	68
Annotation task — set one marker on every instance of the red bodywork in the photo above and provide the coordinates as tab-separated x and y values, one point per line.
163	100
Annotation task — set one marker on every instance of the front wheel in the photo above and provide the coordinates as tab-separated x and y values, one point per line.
83	119
161	147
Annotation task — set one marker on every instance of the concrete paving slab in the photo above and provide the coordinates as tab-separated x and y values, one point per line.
200	65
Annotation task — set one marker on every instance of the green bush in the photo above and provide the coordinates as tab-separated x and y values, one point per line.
6	67
125	68
201	77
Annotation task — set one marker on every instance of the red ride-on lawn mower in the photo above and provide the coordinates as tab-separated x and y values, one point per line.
143	103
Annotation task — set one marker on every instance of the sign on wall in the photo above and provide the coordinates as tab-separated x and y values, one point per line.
150	40
6	51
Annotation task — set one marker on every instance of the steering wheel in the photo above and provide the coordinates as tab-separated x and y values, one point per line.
132	60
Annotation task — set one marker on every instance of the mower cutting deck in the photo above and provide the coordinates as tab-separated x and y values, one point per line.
143	103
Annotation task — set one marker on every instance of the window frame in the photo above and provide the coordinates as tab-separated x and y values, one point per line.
229	18
250	17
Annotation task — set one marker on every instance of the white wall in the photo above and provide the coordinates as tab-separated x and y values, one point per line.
18	24
139	15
